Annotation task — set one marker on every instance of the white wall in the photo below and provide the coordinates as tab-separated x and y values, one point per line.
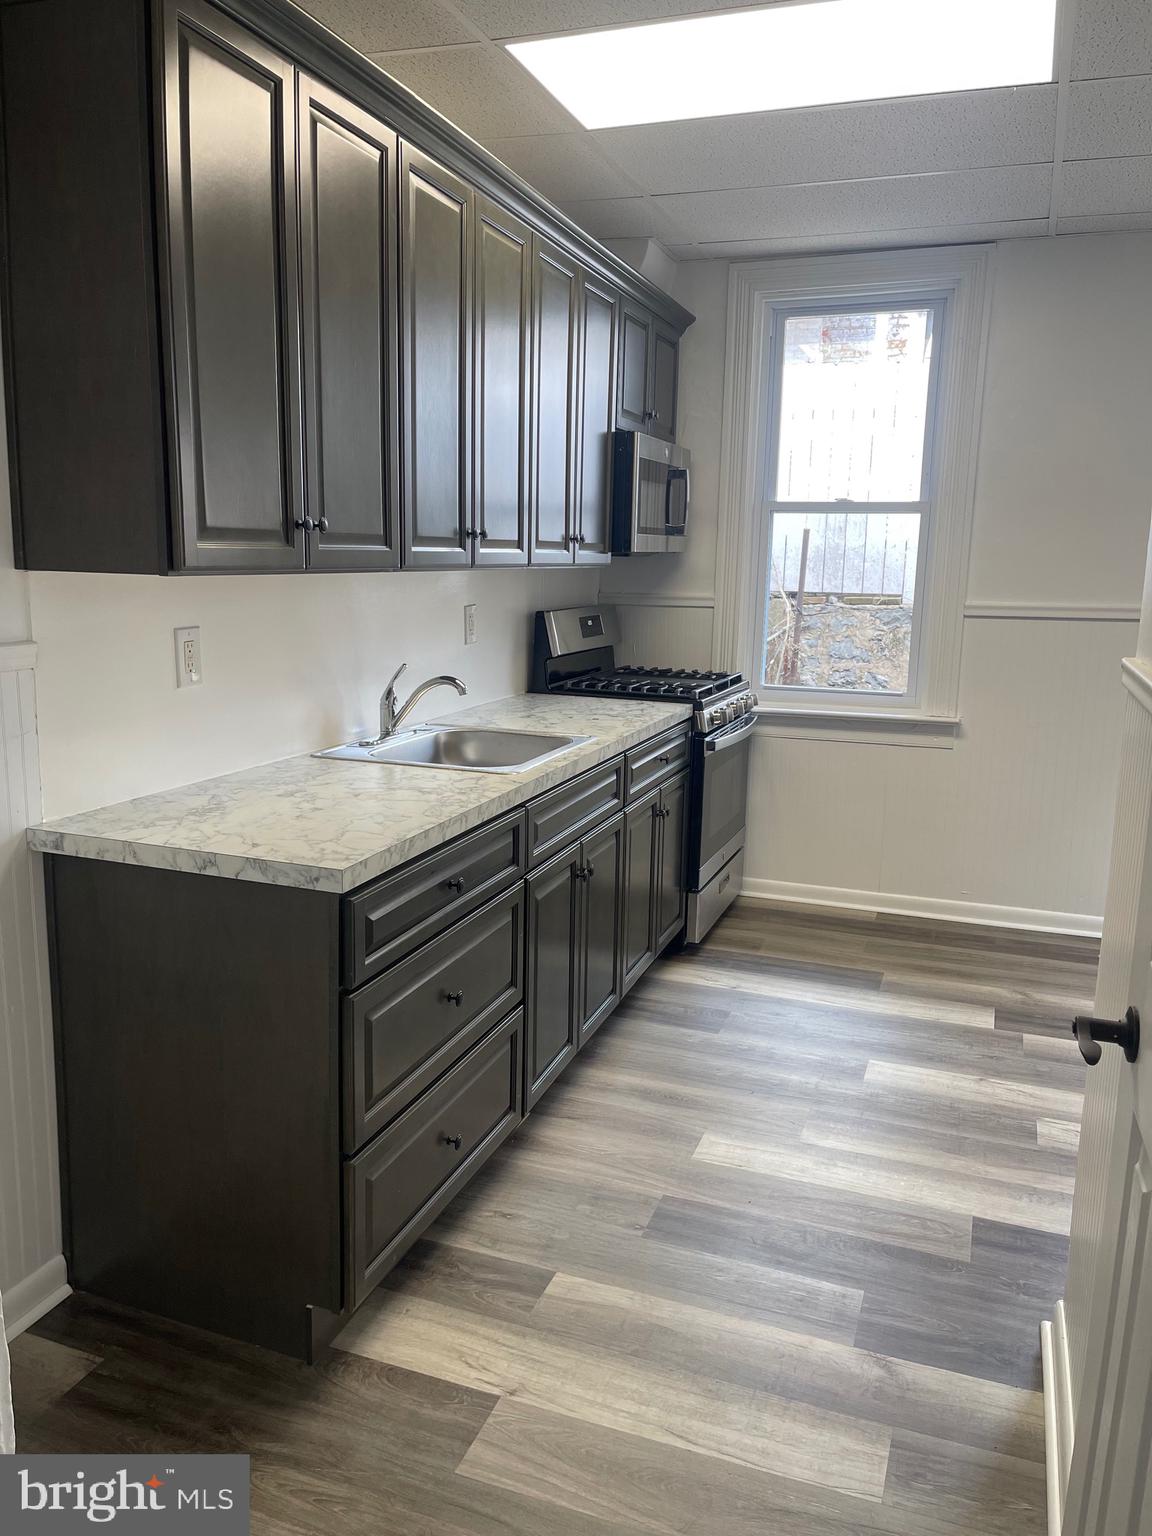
291	663
1013	823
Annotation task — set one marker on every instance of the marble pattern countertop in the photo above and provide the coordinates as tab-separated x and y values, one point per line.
329	825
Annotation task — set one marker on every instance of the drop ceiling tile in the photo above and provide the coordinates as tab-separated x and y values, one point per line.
523	18
1112	37
481	89
947	234
1107	186
373	27
1104	223
1109	117
564	166
878	206
620	218
839	143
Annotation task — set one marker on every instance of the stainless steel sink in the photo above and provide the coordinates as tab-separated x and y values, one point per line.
467	748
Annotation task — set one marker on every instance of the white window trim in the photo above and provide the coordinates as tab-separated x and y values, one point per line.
963	273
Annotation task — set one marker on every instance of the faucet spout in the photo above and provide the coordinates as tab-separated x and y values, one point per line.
392	716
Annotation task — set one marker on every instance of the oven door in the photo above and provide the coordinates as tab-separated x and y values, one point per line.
721	777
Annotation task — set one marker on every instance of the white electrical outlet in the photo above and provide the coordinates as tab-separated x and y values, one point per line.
469	623
188	669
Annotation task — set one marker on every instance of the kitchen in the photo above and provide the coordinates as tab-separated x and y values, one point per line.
367	399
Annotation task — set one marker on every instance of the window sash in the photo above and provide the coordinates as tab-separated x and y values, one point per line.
909	697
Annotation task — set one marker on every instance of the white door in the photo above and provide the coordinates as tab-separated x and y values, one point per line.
1109	1294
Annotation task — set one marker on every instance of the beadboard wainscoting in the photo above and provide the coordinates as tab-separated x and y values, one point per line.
32	1270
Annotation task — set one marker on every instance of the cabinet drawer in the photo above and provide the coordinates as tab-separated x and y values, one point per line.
568	812
404	910
405	1178
406	1028
656	761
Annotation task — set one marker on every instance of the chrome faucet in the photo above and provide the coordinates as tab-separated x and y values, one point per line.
392	717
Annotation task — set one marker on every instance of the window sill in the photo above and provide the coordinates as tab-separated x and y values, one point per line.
870	727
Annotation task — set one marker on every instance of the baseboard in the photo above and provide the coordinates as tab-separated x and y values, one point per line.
923	906
29	1299
1057	1414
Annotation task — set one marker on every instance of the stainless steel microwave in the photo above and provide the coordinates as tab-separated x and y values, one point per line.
651	486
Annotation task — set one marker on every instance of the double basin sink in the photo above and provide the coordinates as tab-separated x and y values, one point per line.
466	748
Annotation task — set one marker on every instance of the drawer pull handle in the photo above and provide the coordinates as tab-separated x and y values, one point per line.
456	883
454	997
664	759
453	1141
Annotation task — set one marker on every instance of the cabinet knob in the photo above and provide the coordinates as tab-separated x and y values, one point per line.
483	533
664	759
456	883
589	871
306	523
454	997
453	1141
322	524
580	873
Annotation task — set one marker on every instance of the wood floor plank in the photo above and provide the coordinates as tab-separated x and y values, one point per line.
1064	1135
977	1088
627	1162
655	1488
748	1352
928	1147
973	1490
942	1189
662	1403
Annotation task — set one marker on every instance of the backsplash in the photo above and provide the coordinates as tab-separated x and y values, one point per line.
290	664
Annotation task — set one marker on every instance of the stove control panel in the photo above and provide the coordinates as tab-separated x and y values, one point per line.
712	716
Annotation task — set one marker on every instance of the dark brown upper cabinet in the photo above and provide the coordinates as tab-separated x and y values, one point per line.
229	111
635	366
264	311
598	312
665	374
649	364
502	363
555	362
436	213
348	264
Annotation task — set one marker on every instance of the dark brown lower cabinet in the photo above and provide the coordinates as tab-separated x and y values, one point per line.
655	896
575	957
266	1094
552	1033
601	951
671	898
404	1179
641	840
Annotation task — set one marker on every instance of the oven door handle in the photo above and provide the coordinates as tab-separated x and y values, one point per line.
731	735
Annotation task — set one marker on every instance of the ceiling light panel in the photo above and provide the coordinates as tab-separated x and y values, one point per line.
792	55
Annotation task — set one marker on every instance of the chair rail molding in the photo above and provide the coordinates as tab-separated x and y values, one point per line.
962	274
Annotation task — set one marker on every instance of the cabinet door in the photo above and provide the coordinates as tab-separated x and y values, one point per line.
638	923
635	368
554	378
348	269
551	1032
601	952
230	142
597	418
436	349
670	896
662	395
503	301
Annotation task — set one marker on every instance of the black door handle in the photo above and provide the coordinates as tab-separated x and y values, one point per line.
1092	1033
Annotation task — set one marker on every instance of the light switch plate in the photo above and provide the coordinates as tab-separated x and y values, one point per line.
189	672
469	623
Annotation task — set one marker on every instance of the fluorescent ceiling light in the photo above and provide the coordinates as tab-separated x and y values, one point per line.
793	55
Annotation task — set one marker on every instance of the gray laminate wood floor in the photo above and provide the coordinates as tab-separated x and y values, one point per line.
771	1258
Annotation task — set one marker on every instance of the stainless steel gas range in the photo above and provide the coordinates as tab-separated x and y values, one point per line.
574	651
